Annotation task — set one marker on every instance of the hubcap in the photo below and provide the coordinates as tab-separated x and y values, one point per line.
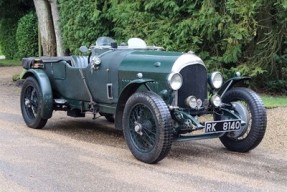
138	128
241	110
27	102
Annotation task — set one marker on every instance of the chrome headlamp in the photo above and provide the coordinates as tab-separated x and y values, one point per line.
216	101
191	102
216	80
174	81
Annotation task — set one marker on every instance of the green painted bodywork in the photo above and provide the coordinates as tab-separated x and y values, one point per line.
119	68
154	65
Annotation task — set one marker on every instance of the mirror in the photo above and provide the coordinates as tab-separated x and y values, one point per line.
84	49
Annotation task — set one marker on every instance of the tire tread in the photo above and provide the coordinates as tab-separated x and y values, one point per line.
165	123
259	120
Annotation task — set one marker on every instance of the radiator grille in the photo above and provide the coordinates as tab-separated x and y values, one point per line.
194	83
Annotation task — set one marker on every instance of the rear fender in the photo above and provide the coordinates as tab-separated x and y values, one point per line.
46	90
130	89
230	83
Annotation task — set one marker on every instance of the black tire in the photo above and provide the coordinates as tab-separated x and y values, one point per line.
147	127
255	129
31	104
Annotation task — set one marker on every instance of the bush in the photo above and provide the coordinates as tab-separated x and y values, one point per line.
8	43
27	35
278	86
18	76
10	13
84	24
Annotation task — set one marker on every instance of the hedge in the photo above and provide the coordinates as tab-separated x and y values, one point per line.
82	22
27	35
8	43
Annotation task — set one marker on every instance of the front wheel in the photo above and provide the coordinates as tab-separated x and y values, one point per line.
32	103
147	127
249	107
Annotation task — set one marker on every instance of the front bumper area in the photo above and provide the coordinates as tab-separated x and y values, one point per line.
188	127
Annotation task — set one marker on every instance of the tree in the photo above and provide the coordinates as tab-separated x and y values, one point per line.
48	22
88	20
46	28
56	18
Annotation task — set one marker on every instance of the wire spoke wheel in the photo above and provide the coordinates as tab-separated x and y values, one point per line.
147	127
249	107
142	128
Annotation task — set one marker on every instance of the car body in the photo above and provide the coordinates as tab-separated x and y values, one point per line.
155	96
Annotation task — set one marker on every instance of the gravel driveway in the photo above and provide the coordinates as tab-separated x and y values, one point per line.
81	154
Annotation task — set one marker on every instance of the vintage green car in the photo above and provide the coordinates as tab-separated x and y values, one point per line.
155	96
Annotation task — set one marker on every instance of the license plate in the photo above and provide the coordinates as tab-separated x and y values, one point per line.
222	126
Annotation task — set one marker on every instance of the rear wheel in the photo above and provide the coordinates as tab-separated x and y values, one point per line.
249	107
147	127
32	103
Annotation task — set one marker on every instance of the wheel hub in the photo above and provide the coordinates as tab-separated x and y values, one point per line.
243	113
27	102
138	128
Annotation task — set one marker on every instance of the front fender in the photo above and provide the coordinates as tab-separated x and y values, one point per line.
230	83
129	89
46	90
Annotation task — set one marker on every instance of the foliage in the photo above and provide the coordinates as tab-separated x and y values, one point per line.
7	38
216	30
14	8
82	22
27	35
18	76
233	35
270	50
10	12
276	86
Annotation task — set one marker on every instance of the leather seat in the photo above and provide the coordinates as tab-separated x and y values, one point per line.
79	61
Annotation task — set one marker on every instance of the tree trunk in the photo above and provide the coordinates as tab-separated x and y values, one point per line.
56	18
46	27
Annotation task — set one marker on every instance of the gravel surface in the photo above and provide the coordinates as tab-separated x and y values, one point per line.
81	154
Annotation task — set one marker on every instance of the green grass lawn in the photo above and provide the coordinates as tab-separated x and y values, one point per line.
7	62
274	101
